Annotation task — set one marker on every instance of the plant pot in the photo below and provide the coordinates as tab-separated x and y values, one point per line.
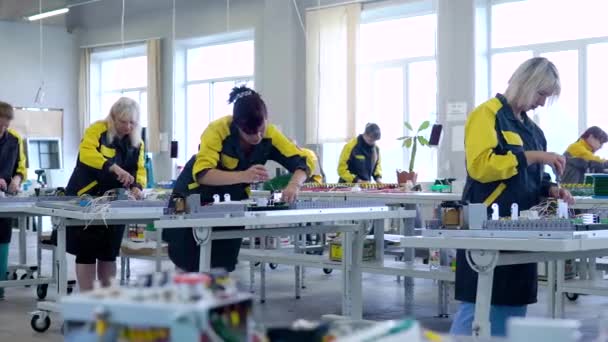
404	176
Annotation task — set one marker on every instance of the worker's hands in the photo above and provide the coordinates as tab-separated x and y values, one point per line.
15	185
3	185
123	176
556	161
137	193
290	193
255	174
562	194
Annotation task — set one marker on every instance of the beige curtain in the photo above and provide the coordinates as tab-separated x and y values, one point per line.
331	73
154	94
84	91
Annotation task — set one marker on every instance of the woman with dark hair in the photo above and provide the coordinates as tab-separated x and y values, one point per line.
581	158
231	156
360	158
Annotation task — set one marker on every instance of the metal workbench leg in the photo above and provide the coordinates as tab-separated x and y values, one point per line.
407	229
21	221
60	262
252	267
159	249
39	245
123	270
262	272
203	237
559	292
297	285
481	325
551	288
592	268
352	302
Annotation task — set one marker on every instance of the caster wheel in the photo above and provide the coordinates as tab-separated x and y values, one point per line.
70	290
297	297
40	325
257	264
13	276
273	266
327	270
41	291
262	301
27	276
572	296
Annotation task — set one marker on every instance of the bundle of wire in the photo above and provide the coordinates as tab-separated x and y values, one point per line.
101	205
548	208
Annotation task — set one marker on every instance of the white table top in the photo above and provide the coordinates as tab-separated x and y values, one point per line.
288	217
525	245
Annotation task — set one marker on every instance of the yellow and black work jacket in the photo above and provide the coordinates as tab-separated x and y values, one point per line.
12	163
497	172
579	160
96	154
220	149
317	175
12	156
359	161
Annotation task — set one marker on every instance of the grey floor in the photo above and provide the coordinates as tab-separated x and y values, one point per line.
383	299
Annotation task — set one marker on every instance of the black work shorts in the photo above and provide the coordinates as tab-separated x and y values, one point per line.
93	243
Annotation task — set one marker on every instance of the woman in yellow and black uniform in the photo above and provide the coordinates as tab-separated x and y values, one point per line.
505	158
12	172
317	175
231	156
360	158
581	158
111	156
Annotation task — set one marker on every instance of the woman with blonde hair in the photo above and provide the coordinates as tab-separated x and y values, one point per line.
505	157
111	156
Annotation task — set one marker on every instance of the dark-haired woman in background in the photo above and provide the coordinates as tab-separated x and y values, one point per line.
581	158
360	158
231	156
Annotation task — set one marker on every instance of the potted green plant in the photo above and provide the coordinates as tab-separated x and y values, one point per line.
411	142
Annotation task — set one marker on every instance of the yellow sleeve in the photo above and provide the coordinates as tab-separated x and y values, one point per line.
210	147
343	171
89	146
21	158
480	140
288	154
141	176
577	150
378	170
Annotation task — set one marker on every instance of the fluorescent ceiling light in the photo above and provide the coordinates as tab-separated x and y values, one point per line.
48	14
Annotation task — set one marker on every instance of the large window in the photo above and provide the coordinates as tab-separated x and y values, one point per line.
117	73
396	83
573	37
212	71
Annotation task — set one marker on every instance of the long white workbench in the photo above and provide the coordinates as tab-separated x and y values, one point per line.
278	223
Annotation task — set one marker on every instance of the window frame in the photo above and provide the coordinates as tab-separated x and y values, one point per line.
185	46
414	9
108	54
579	45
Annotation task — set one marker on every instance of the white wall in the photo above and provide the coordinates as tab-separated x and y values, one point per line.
279	50
19	67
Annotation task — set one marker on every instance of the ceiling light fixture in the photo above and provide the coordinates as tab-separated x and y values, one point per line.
48	14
